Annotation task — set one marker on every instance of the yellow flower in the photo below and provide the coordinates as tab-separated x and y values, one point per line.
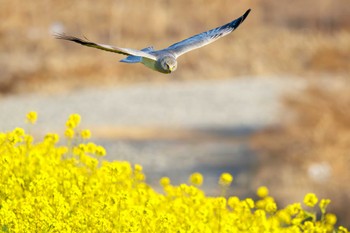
45	188
164	181
262	191
225	179
284	217
250	203
69	133
100	151
85	134
323	205
32	117
294	209
233	202
331	219
140	176
220	202
73	121
271	207
342	229
19	132
91	147
138	168
13	138
196	179
52	137
309	226
310	199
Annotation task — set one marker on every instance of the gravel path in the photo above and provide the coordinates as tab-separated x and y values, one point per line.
240	102
232	108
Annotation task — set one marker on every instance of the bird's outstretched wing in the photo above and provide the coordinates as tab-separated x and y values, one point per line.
109	48
205	38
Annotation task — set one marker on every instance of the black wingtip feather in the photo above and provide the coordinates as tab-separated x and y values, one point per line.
246	14
235	23
243	17
62	36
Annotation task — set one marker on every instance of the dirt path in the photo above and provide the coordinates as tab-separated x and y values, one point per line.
171	129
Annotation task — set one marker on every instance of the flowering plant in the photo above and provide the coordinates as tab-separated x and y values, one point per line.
46	187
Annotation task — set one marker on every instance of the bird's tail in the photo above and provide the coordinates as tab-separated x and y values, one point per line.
136	59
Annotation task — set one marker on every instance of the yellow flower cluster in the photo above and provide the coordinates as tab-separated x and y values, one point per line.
47	187
32	117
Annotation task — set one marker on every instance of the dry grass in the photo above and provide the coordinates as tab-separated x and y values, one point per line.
311	152
275	39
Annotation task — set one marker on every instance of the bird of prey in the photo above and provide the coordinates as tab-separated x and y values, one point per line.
164	60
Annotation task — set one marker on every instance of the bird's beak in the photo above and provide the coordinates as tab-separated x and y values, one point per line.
172	68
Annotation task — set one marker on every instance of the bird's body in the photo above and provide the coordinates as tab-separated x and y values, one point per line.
165	60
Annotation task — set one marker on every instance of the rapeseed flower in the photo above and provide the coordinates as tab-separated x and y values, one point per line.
73	121
196	179
331	219
225	179
262	191
51	187
85	134
310	199
164	181
32	117
69	133
323	205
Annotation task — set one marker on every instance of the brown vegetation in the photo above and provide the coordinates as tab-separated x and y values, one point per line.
277	38
311	152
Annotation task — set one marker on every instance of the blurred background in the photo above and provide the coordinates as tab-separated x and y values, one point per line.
270	103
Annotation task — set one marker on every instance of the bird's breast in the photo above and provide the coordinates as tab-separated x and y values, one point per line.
149	63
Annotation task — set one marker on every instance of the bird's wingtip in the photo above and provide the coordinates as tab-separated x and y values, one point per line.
246	13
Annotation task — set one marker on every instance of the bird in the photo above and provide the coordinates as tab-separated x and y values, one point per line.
164	60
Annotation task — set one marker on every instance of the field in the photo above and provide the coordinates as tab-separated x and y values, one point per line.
70	188
308	40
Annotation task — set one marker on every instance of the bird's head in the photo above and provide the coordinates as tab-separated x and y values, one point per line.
169	64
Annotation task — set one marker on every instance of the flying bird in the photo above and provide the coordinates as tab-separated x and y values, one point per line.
163	60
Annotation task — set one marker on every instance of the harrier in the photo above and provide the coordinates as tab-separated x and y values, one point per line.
164	60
